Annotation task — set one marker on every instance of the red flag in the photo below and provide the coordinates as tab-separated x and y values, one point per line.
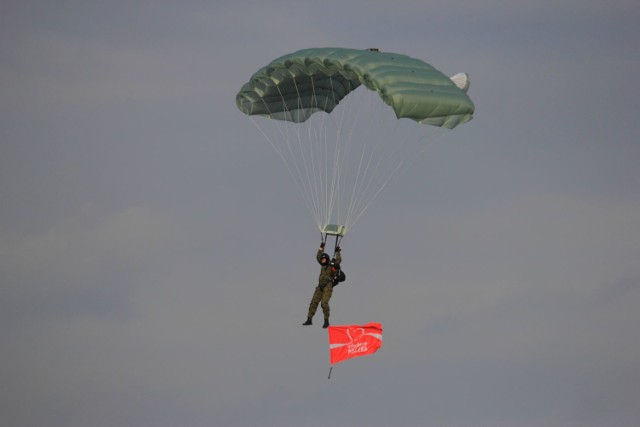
350	341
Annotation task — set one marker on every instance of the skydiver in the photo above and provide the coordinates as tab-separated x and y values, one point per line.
322	293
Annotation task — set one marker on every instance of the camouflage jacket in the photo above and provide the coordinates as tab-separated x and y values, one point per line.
325	276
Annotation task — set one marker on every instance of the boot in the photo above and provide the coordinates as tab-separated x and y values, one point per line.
308	322
326	323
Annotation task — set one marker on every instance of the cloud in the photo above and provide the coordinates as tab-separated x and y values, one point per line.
77	268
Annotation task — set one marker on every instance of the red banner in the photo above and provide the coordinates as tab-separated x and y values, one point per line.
350	341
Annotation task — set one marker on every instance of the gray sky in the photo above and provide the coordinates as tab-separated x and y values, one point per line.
156	261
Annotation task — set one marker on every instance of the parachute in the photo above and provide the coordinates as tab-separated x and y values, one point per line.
345	121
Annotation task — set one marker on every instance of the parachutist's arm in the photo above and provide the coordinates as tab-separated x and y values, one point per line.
319	255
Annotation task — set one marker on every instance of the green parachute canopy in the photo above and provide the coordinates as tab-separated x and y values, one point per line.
297	85
377	103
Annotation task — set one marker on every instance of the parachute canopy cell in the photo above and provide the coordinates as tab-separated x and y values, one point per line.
297	85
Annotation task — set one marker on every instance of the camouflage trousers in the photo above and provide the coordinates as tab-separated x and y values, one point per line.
320	296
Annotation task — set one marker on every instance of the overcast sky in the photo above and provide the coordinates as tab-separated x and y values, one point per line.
156	260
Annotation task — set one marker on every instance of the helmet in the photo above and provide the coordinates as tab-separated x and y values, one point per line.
335	264
324	259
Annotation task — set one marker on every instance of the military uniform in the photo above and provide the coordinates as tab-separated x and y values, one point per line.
322	293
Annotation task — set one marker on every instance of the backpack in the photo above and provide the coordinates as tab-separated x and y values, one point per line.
341	277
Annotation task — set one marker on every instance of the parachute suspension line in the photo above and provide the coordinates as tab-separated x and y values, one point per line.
401	163
323	156
361	179
341	174
311	169
330	171
356	181
300	161
338	159
318	148
377	193
328	158
291	160
371	179
306	156
368	175
351	140
311	165
351	183
284	159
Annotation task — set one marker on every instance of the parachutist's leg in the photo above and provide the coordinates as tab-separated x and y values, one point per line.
326	310
315	300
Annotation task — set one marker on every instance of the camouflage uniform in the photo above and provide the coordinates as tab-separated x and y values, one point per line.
323	291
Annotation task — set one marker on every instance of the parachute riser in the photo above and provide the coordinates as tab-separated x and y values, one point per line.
333	230
325	238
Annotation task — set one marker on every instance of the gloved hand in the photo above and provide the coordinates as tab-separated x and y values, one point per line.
322	245
338	249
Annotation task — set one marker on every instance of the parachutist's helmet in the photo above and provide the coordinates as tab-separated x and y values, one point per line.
335	265
324	259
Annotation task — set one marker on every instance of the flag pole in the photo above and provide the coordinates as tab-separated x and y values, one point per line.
330	369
